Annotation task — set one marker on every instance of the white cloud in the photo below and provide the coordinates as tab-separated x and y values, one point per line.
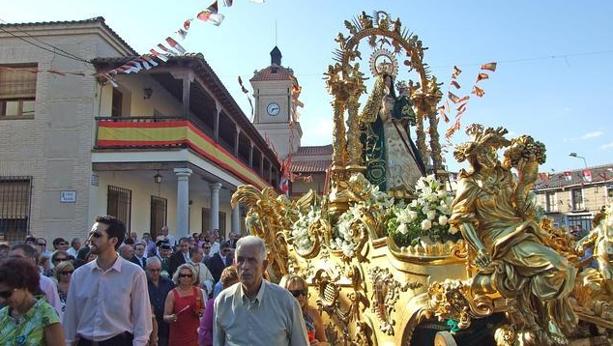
584	137
607	146
593	134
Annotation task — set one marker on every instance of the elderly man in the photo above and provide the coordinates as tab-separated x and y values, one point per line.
159	287
255	311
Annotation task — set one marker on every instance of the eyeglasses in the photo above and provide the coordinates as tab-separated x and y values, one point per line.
185	275
298	293
61	259
67	272
6	294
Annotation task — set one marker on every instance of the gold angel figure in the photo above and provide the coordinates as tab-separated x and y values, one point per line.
493	210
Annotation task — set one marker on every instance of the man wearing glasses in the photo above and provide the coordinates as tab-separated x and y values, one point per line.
41	247
159	287
110	305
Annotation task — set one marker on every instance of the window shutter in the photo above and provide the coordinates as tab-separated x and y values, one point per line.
17	83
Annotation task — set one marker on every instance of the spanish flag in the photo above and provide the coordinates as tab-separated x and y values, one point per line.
478	91
482	76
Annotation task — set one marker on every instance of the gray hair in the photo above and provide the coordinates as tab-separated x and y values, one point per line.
153	260
175	276
255	241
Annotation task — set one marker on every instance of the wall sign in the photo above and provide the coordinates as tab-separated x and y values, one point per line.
68	196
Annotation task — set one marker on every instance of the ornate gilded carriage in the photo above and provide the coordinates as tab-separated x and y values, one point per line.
370	289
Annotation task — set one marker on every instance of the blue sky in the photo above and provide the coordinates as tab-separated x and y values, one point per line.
565	100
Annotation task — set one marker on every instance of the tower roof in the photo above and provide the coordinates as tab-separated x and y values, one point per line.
275	56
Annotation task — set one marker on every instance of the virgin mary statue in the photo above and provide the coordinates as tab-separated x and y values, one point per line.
392	160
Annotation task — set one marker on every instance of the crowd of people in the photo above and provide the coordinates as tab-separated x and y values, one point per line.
118	289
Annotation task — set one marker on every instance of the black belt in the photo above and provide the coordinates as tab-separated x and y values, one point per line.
123	339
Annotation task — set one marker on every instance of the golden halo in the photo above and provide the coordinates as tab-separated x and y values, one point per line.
383	61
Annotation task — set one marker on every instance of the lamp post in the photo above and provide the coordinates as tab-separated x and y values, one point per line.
579	157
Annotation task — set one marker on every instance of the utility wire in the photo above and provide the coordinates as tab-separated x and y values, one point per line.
69	56
43	42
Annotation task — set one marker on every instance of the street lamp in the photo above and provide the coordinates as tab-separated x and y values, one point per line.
579	157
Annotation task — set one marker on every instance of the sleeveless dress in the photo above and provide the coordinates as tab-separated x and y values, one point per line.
184	332
310	325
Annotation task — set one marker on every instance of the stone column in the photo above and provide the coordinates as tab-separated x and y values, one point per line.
182	201
215	187
236	220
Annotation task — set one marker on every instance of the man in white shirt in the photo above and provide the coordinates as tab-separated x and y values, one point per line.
47	285
108	304
254	311
205	279
214	239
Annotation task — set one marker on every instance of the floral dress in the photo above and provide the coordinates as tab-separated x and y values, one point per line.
30	329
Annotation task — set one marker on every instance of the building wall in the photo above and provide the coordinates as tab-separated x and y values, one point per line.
53	146
594	197
132	87
143	187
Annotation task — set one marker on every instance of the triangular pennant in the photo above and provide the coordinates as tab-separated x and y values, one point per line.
150	61
456	72
160	56
167	50
186	24
182	34
491	66
482	76
453	97
455	84
227	3
216	19
478	91
174	44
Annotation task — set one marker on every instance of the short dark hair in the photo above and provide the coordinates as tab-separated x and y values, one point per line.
116	228
193	251
18	272
225	244
56	241
129	241
28	250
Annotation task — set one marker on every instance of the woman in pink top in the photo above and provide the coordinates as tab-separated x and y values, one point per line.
229	277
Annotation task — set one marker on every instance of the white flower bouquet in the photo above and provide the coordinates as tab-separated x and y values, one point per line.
426	217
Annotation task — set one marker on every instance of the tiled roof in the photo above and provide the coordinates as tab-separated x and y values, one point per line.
273	73
311	166
93	20
558	180
314	150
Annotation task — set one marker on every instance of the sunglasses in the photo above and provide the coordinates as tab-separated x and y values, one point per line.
6	294
185	275
67	272
298	293
61	259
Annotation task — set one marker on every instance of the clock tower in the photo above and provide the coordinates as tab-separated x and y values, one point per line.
276	91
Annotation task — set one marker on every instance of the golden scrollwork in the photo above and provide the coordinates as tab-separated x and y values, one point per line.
386	291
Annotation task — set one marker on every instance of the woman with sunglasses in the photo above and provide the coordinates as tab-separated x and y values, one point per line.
63	274
59	256
26	319
183	308
298	287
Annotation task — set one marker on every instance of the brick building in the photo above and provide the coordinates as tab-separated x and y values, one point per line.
572	198
167	146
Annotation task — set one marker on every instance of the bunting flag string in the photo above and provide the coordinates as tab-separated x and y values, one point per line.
52	71
246	92
462	102
170	47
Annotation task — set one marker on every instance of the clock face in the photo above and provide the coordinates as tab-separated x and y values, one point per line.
273	109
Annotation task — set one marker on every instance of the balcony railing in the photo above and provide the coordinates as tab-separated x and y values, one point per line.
170	132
